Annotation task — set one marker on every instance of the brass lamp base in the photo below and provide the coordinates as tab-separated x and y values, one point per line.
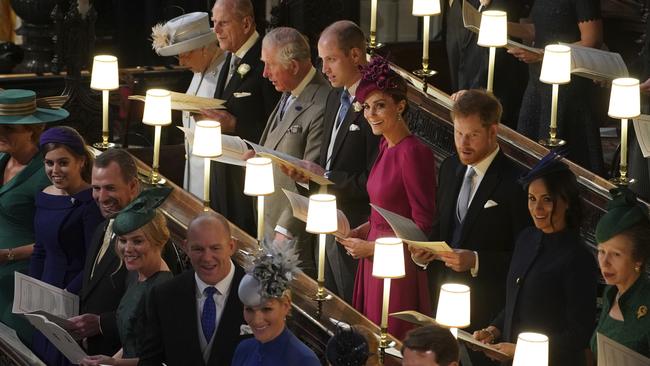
320	297
622	181
552	142
151	178
424	73
373	47
384	343
104	146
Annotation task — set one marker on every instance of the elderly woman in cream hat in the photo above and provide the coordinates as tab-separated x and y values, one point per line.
190	38
22	177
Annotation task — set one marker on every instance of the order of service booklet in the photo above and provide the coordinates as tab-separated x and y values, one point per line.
418	318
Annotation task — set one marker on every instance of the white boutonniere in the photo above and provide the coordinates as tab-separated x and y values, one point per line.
245	329
358	107
243	69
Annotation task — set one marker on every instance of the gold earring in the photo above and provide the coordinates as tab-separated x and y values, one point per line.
637	269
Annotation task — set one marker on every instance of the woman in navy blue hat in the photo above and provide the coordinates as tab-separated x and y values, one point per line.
66	218
22	178
551	284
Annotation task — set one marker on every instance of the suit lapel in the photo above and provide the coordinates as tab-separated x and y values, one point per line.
351	116
328	124
489	182
223	74
448	205
187	305
91	255
295	110
252	59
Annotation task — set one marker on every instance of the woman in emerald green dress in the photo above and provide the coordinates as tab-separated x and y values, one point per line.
23	176
142	232
623	236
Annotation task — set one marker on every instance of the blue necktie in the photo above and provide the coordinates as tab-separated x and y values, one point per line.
209	314
345	106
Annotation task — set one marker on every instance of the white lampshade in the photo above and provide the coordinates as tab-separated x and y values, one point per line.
531	350
453	305
494	29
104	75
388	260
321	215
556	65
624	101
426	7
259	177
157	108
207	139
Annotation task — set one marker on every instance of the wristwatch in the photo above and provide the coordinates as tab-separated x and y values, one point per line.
10	254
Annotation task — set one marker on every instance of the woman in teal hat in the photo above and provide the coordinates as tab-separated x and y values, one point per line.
142	232
23	176
623	236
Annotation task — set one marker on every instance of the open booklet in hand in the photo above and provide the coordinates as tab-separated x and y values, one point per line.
32	296
9	340
596	64
187	102
59	337
642	131
418	318
300	207
472	22
612	353
288	161
405	229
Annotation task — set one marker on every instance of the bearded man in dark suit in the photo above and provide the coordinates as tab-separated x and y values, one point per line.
481	209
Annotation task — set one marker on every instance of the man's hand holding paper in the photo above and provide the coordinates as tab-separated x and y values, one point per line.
84	326
460	260
227	120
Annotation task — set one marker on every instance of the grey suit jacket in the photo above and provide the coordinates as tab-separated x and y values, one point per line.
299	134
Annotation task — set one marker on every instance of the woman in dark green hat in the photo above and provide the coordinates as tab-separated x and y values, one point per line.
623	236
23	176
142	232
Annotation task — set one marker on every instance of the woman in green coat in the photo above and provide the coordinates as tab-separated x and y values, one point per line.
22	177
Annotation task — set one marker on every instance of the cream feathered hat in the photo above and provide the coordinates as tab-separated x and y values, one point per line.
182	34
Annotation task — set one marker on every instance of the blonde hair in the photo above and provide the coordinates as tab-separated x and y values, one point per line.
155	231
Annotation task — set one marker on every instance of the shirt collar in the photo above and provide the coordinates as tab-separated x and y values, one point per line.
353	89
306	80
241	52
482	166
222	286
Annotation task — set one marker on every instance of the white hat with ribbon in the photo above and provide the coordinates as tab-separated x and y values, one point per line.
182	34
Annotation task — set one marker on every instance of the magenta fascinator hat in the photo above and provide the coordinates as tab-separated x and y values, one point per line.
378	75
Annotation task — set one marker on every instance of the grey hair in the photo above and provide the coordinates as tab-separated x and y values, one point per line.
290	43
241	8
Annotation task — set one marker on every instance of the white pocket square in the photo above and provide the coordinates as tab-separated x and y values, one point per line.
241	95
353	127
245	329
490	203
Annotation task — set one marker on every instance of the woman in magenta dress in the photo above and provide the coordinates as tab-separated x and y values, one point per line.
66	217
403	181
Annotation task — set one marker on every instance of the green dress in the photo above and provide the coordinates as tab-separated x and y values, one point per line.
634	331
17	210
131	313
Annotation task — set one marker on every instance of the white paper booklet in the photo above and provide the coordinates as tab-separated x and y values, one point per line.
596	64
612	353
642	131
409	232
300	207
32	295
61	339
288	161
10	339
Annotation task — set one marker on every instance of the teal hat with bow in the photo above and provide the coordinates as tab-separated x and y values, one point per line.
20	107
139	212
623	212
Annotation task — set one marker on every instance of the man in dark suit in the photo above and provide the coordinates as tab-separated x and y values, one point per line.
295	128
249	97
468	62
197	318
348	148
481	209
115	185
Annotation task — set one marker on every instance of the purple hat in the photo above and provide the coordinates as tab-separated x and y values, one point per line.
378	75
64	136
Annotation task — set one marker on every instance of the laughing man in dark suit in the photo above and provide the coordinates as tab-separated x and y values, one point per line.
480	207
197	318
